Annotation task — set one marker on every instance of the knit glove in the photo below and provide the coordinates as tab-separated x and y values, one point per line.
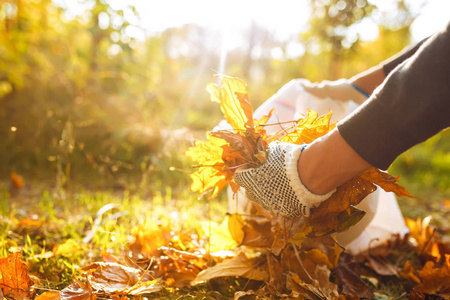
276	186
341	89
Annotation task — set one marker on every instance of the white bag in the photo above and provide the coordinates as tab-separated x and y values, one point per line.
383	216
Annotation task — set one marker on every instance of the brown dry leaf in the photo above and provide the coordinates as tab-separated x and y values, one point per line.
348	275
409	273
111	278
436	279
386	181
320	287
241	265
77	290
325	217
14	280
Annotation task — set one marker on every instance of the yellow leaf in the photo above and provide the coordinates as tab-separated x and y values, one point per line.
309	128
235	225
211	173
234	103
68	247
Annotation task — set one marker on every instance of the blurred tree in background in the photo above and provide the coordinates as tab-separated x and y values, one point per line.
82	98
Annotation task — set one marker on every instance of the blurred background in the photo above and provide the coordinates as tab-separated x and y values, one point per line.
110	93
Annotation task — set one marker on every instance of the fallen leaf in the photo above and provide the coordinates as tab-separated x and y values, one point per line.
348	275
435	279
241	265
17	181
111	278
77	290
68	247
14	280
150	236
49	295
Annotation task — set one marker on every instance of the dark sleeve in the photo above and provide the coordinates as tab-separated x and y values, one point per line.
411	105
394	61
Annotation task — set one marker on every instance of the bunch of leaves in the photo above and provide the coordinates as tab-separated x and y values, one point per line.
246	144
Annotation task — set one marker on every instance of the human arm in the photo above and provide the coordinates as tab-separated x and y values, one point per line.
411	105
359	87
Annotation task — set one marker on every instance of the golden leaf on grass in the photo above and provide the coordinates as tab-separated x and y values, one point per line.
68	247
150	236
14	280
241	265
49	295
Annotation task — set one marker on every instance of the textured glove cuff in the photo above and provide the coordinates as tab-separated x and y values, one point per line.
300	190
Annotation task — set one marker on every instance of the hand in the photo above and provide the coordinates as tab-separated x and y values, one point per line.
341	89
276	185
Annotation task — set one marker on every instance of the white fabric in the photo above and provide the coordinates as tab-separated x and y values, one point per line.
383	216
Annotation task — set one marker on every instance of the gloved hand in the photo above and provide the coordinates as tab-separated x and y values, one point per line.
276	186
341	89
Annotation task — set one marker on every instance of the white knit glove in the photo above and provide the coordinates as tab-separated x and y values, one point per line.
341	89
276	186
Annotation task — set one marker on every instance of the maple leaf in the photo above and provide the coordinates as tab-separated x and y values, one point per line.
435	279
14	280
309	128
234	102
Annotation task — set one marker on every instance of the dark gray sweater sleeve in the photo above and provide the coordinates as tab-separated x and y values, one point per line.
394	61
411	105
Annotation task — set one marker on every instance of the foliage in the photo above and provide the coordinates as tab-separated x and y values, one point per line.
178	265
245	145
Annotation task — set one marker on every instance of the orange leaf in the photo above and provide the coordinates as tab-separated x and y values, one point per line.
234	102
17	180
150	236
14	280
386	181
436	279
49	295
